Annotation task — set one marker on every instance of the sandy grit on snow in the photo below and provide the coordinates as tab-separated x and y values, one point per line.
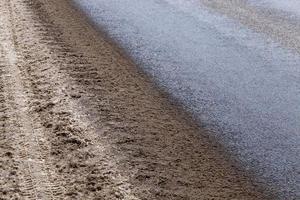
79	121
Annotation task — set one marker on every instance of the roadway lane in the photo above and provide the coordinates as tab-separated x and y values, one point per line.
240	84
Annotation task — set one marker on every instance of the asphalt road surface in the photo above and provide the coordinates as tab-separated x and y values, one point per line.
238	73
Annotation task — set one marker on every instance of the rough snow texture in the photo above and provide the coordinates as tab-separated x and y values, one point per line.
291	7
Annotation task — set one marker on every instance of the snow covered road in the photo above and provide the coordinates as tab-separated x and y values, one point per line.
239	83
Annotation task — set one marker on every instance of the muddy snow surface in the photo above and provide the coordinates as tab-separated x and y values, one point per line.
236	70
290	7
